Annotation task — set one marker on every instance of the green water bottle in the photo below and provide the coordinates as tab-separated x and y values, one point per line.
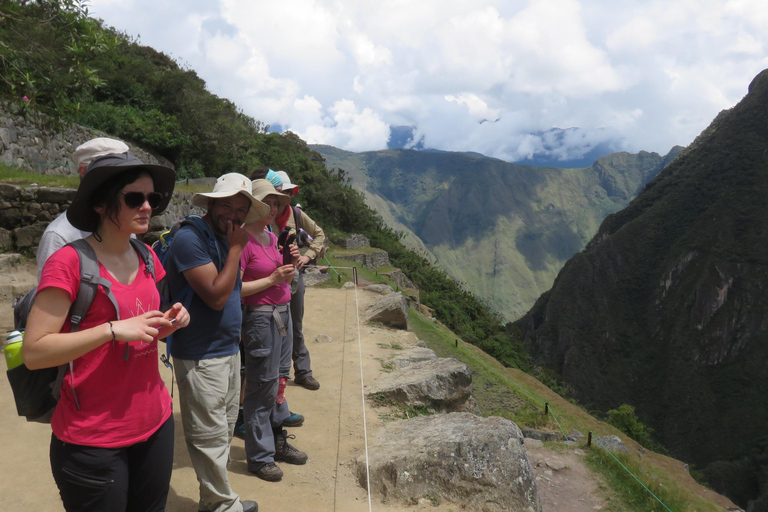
12	349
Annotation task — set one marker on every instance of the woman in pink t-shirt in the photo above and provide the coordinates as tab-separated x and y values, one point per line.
112	442
266	297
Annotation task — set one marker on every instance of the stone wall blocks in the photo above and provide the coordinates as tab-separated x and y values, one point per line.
6	240
27	194
55	195
28	236
9	192
44	216
10	218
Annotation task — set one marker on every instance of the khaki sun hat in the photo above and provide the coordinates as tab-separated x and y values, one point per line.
264	188
227	186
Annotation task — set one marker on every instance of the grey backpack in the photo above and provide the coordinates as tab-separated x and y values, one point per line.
36	392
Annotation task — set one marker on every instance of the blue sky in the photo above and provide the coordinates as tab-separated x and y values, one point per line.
470	75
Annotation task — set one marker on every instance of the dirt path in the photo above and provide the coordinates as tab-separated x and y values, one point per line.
332	434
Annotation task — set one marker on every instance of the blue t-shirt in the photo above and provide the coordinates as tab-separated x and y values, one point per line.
210	333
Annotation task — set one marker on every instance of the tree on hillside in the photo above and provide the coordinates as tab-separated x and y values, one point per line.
45	47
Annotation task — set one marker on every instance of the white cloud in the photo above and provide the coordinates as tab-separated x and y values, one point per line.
346	126
650	73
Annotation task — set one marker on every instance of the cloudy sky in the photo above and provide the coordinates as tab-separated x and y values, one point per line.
470	75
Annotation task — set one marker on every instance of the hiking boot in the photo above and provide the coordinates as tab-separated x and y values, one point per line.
250	506
294	420
284	452
240	430
269	472
308	382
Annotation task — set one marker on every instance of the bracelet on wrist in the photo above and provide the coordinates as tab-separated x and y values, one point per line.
111	329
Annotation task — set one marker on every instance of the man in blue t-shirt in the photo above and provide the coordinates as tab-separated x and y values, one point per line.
205	355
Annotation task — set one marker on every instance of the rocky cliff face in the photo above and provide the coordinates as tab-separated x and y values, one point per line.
667	308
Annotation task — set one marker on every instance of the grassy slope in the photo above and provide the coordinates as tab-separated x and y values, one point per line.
520	397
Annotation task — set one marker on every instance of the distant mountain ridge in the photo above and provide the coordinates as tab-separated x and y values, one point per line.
667	308
503	230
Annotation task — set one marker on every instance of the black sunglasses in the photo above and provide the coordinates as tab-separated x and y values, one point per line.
136	199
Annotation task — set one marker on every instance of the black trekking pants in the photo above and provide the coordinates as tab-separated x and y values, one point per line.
131	479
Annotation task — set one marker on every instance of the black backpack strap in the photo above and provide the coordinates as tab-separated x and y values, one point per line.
205	232
297	218
145	254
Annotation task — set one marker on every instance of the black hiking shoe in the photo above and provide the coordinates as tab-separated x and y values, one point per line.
284	452
308	382
269	472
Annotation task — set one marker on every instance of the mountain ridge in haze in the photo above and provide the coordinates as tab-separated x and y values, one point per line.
503	230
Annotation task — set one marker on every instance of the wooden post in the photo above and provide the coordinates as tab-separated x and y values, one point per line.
546	408
589	439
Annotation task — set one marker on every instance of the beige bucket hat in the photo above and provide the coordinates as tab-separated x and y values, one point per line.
264	188
227	186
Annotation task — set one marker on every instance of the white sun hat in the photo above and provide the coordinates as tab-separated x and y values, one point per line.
287	185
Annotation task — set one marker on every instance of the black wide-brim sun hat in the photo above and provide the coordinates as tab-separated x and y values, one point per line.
81	213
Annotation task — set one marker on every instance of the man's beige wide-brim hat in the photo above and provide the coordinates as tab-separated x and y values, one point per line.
228	186
264	188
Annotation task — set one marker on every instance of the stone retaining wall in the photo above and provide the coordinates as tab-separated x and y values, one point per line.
33	142
26	211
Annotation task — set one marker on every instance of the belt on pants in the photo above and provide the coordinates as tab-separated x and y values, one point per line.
275	310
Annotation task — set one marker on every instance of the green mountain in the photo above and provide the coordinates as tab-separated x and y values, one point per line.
502	230
666	307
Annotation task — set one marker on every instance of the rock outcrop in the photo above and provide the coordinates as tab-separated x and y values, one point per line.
442	385
370	259
666	307
391	311
412	356
477	463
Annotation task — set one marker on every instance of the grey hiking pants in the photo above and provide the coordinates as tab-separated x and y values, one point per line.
262	344
301	361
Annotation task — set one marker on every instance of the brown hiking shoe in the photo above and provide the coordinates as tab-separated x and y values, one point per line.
308	382
284	452
269	472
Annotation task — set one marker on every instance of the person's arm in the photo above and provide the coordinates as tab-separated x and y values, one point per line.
212	286
281	274
317	246
45	346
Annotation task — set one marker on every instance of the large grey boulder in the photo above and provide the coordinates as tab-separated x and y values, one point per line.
313	277
478	464
443	385
613	444
391	311
383	289
412	356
